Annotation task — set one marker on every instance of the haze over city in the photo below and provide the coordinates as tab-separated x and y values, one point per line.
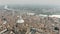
40	2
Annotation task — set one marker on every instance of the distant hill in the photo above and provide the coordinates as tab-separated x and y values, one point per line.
43	9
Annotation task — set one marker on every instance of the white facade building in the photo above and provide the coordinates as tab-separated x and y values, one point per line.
20	20
57	16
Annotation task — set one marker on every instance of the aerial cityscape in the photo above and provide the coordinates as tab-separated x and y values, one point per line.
29	17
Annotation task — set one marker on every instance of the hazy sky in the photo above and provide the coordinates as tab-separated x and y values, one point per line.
50	2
